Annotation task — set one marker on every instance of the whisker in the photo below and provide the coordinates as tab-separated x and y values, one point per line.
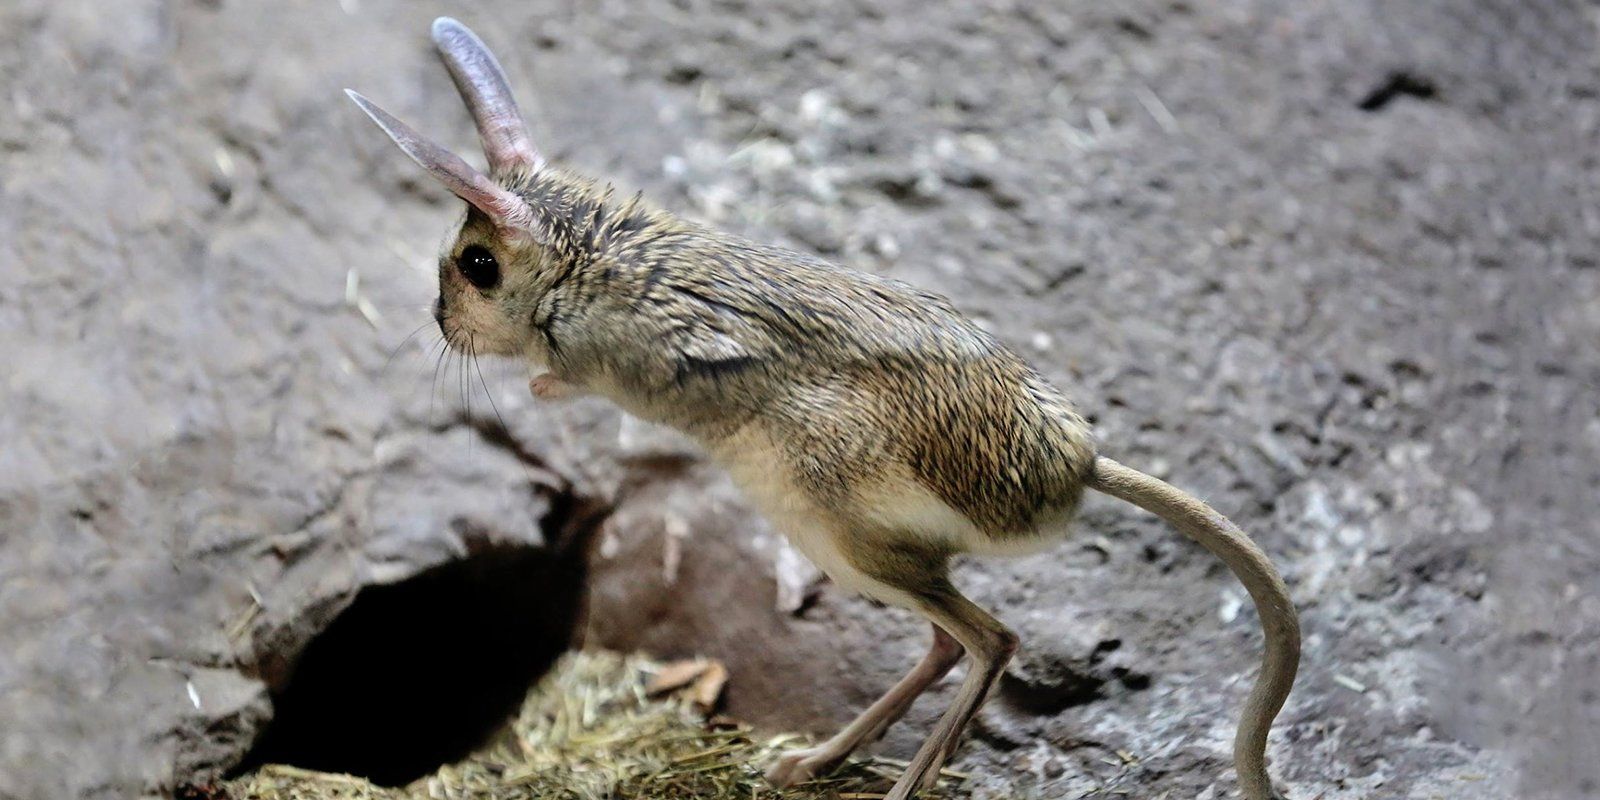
396	350
466	399
461	386
505	427
433	388
486	393
429	353
403	306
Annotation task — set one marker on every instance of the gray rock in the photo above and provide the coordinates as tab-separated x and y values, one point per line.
1331	266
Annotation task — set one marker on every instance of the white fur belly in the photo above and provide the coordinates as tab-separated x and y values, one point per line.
761	473
900	502
895	502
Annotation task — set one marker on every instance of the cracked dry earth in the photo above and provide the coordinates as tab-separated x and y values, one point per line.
1333	266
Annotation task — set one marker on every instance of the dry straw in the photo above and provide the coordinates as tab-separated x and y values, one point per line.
592	730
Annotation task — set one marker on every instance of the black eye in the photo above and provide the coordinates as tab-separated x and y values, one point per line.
478	266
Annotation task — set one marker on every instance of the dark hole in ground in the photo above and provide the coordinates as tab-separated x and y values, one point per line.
1051	690
1394	86
417	674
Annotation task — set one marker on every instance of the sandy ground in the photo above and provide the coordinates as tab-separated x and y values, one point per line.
1335	266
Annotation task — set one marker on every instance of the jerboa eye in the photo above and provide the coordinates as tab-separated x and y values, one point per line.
478	266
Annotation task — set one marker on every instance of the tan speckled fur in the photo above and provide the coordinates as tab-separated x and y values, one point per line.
854	374
877	427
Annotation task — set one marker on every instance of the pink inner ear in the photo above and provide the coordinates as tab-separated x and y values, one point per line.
505	208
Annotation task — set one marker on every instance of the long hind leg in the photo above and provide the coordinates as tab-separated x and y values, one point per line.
802	765
912	572
991	645
951	652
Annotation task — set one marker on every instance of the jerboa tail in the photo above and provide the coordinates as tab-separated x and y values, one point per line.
1213	531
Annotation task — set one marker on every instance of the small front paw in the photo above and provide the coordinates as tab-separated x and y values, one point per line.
548	387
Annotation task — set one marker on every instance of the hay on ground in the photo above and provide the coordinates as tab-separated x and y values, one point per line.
592	731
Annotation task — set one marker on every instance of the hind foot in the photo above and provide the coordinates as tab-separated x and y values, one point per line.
801	766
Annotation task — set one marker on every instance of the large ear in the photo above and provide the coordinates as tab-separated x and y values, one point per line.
507	209
483	86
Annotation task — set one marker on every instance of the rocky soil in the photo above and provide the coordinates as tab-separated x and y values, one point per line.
1335	266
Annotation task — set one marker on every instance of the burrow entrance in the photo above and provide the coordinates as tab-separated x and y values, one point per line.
417	674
